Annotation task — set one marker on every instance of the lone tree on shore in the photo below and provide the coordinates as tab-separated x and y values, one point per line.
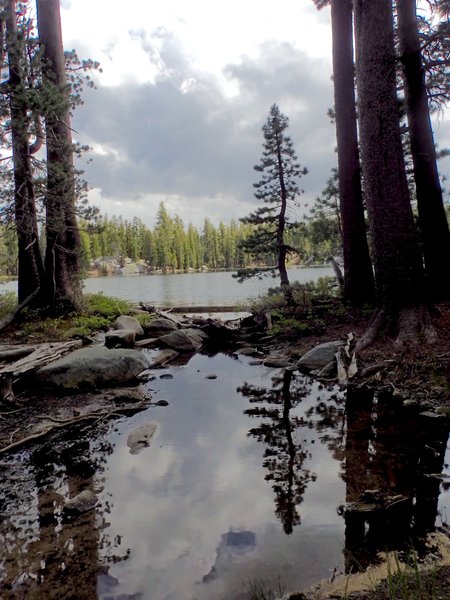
278	188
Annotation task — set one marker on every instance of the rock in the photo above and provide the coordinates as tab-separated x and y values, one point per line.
442	410
120	338
146	342
183	340
328	370
162	403
247	351
159	326
93	367
279	362
127	322
141	437
319	356
211	376
254	363
82	502
163	357
166	376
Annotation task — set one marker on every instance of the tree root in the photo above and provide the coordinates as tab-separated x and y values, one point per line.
58	424
372	332
411	325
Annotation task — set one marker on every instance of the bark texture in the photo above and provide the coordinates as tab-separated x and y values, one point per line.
395	247
358	280
62	262
30	265
433	224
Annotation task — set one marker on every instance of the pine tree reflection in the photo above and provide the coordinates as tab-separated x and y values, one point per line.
390	451
285	454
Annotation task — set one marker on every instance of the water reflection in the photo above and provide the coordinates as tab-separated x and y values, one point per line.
46	554
286	451
390	453
198	513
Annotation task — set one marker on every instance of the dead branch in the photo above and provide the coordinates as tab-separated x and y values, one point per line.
96	416
15	313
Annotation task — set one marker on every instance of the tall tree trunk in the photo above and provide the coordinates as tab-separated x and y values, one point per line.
359	285
30	265
432	220
396	253
62	259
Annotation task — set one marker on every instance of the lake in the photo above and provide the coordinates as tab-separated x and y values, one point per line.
188	289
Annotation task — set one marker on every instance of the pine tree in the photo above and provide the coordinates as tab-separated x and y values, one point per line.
278	189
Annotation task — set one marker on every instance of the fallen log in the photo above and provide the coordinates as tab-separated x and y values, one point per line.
43	355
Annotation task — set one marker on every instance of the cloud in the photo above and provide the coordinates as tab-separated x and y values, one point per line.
185	139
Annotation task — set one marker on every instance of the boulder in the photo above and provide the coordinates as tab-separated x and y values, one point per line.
159	326
319	356
183	340
93	367
127	322
141	437
120	338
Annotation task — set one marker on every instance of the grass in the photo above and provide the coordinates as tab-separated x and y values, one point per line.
98	312
261	589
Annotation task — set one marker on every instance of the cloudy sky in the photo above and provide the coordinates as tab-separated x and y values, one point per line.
185	88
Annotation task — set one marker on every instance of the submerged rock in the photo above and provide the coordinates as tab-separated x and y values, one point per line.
163	357
82	502
279	362
141	437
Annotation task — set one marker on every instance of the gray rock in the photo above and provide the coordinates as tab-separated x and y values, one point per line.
141	437
328	370
159	326
120	338
163	357
277	361
93	367
127	322
183	340
248	351
145	343
211	376
319	356
82	502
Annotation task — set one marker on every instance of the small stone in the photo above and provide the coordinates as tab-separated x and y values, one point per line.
166	376
162	403
211	376
141	437
82	502
277	362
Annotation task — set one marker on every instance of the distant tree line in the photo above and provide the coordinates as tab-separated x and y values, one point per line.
172	245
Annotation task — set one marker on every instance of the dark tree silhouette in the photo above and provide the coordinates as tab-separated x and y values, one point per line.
277	189
284	457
